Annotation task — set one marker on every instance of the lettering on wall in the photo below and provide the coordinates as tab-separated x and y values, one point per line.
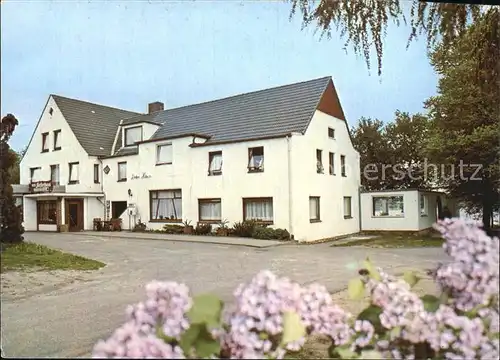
140	176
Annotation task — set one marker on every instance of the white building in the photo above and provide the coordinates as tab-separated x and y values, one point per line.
403	210
282	156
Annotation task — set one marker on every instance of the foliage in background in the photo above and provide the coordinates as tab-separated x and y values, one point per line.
363	24
272	317
466	114
11	229
14	170
392	156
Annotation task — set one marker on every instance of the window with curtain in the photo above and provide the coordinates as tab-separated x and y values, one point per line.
166	205
256	159
132	135
259	209
74	173
54	174
342	165
209	210
331	160
164	154
122	171
47	212
319	161
314	208
388	206
35	174
347	207
423	205
215	163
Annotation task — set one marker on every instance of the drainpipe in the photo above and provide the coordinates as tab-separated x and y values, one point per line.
102	187
290	198
359	209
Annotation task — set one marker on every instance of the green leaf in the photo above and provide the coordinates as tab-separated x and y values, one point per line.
374	274
395	332
293	328
411	278
206	309
161	335
345	353
188	338
356	289
263	335
205	345
372	315
431	303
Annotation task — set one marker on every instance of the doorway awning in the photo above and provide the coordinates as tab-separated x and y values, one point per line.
66	195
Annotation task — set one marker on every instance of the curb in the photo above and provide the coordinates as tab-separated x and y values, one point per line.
191	241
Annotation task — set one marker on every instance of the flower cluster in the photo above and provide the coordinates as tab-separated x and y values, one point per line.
463	323
472	278
164	311
256	323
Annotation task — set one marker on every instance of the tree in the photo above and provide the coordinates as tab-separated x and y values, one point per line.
364	23
14	170
393	156
466	114
11	229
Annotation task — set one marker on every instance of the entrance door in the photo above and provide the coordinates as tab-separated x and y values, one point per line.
74	214
117	208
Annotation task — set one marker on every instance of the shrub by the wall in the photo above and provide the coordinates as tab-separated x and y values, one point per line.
173	229
267	233
272	317
203	229
244	228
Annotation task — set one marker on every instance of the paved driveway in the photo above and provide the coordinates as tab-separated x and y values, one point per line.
67	321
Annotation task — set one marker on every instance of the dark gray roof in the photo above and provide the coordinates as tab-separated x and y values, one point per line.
149	118
94	125
126	151
270	112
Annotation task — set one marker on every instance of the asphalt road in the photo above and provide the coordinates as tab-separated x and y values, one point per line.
67	321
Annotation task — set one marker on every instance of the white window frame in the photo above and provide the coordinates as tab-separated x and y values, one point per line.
214	206
35	174
122	171
253	164
174	197
55	178
126	130
258	201
424	205
169	148
390	200
213	167
314	209
57	140
347	207
71	177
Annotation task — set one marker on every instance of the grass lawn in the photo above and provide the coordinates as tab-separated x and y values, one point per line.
395	241
33	256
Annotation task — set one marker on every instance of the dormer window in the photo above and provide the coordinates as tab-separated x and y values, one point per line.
45	137
215	163
256	159
133	135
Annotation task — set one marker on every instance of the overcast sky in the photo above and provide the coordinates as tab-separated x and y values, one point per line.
129	53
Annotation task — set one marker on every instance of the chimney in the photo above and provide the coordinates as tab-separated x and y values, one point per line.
155	106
